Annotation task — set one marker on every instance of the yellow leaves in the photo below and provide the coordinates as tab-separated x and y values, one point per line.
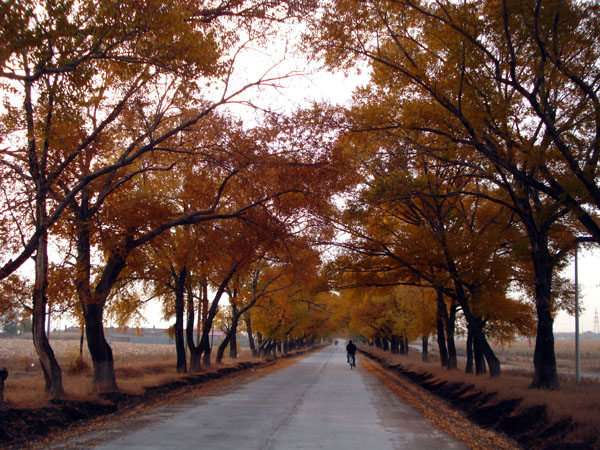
14	293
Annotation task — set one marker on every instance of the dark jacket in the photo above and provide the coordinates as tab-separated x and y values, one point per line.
351	348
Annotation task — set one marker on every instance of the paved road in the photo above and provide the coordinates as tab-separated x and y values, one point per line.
317	402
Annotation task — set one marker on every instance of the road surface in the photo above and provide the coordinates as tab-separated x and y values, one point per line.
317	402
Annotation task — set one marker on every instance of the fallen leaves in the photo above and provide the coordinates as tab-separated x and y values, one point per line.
444	417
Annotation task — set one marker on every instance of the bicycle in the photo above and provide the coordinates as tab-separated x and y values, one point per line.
351	360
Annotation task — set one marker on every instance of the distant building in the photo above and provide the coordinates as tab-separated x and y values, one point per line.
138	335
149	336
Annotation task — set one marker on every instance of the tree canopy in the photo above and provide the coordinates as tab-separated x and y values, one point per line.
452	189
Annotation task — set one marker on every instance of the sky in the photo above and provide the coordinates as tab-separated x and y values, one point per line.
588	265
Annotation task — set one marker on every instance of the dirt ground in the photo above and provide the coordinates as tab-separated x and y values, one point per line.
136	365
519	355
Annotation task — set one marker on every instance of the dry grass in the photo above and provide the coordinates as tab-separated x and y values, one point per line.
520	354
581	402
136	366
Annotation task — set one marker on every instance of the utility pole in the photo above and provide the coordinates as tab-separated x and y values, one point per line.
48	316
596	325
577	358
577	355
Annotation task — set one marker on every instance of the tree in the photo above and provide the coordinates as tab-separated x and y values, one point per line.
412	226
479	76
83	77
293	317
279	269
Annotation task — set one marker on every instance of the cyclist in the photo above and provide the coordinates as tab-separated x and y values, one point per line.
351	349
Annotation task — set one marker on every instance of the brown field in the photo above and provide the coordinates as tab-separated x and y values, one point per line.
136	366
139	365
519	354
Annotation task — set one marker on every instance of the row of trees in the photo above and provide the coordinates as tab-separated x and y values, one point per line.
477	140
466	168
120	177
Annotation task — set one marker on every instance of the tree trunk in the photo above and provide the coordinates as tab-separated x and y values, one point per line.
395	345
441	338
480	368
50	367
262	346
179	279
81	338
202	310
195	352
233	346
3	376
479	339
206	354
221	349
480	344
195	360
472	322
102	358
92	305
405	340
469	366
424	348
93	309
251	343
386	345
229	337
211	313
544	358
450	327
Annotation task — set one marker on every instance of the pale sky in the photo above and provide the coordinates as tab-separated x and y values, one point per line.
589	288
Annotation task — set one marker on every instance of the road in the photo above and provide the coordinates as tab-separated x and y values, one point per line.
317	402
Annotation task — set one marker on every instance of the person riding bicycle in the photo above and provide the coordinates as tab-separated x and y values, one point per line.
351	349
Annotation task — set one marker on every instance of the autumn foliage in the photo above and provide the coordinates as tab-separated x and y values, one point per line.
444	198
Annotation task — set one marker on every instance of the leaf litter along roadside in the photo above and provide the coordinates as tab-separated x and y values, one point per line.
445	417
130	405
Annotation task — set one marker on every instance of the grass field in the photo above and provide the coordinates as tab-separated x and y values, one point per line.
136	366
519	354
